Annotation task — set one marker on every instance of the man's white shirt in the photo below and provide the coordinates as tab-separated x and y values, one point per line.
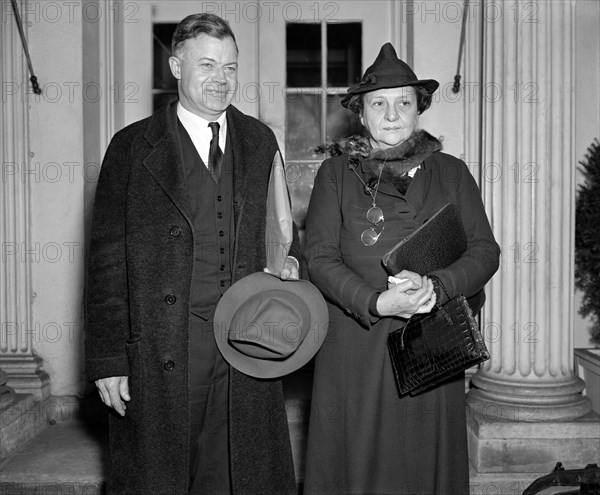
200	133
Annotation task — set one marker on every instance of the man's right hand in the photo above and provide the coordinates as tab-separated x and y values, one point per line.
113	391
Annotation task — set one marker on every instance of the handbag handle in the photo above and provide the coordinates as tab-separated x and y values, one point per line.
437	281
438	305
440	308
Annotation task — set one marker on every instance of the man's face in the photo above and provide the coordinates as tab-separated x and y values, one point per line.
206	69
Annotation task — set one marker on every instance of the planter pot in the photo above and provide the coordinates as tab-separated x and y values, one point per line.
587	367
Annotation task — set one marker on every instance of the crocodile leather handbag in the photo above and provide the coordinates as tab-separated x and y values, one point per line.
434	347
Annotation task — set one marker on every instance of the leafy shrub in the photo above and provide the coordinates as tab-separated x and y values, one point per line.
587	240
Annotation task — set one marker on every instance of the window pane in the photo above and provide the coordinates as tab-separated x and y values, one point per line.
344	53
303	126
303	55
341	122
163	79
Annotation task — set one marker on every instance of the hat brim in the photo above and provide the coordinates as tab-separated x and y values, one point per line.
238	293
430	85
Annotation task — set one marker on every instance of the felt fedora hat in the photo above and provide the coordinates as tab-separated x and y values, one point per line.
388	71
266	327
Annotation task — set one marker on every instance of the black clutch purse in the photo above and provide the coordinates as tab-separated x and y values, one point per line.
434	347
438	243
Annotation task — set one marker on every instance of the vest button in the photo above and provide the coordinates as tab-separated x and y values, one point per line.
221	233
222	283
219	215
170	299
169	365
219	198
175	231
222	268
222	250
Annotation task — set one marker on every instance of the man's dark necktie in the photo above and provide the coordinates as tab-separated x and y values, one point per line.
214	155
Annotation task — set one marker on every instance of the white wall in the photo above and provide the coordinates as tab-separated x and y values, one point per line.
56	176
437	28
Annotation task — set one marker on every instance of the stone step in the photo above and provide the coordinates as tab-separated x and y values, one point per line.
68	456
63	459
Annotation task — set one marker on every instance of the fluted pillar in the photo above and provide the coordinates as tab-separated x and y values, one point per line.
17	356
528	167
525	410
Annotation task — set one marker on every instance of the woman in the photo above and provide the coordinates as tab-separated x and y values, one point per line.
363	437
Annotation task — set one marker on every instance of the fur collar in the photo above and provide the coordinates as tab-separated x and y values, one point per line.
396	161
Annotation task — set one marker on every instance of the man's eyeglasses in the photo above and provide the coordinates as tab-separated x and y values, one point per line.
371	236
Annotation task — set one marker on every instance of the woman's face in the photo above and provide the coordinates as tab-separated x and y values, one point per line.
390	115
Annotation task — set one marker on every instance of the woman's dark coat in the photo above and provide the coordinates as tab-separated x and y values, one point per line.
140	271
364	438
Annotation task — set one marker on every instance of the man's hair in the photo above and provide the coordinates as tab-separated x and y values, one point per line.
196	24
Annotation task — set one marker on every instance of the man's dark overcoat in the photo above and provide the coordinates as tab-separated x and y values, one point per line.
138	291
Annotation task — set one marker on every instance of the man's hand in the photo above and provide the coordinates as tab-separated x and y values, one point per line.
113	391
290	269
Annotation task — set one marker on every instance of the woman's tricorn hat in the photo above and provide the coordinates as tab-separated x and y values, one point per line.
266	327
388	71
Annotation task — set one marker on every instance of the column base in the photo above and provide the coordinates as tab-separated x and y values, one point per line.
26	376
523	401
506	450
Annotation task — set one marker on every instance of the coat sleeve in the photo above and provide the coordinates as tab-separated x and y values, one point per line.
326	269
107	313
475	267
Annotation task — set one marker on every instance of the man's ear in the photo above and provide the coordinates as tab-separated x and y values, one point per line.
175	65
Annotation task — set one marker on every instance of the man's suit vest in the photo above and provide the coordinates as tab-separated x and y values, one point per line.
212	214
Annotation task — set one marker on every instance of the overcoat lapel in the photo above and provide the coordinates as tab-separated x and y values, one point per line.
163	160
242	151
242	156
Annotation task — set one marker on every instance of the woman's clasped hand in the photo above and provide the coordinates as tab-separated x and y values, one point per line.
412	294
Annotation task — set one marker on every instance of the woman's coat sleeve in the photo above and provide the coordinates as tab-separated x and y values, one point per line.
326	269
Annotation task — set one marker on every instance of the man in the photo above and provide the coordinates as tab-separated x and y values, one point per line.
179	217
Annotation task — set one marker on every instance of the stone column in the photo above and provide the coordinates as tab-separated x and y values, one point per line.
525	400
17	356
528	188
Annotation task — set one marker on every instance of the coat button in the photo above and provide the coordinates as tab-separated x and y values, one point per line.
221	233
222	250
222	268
219	215
169	365
175	231
219	198
170	299
222	283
